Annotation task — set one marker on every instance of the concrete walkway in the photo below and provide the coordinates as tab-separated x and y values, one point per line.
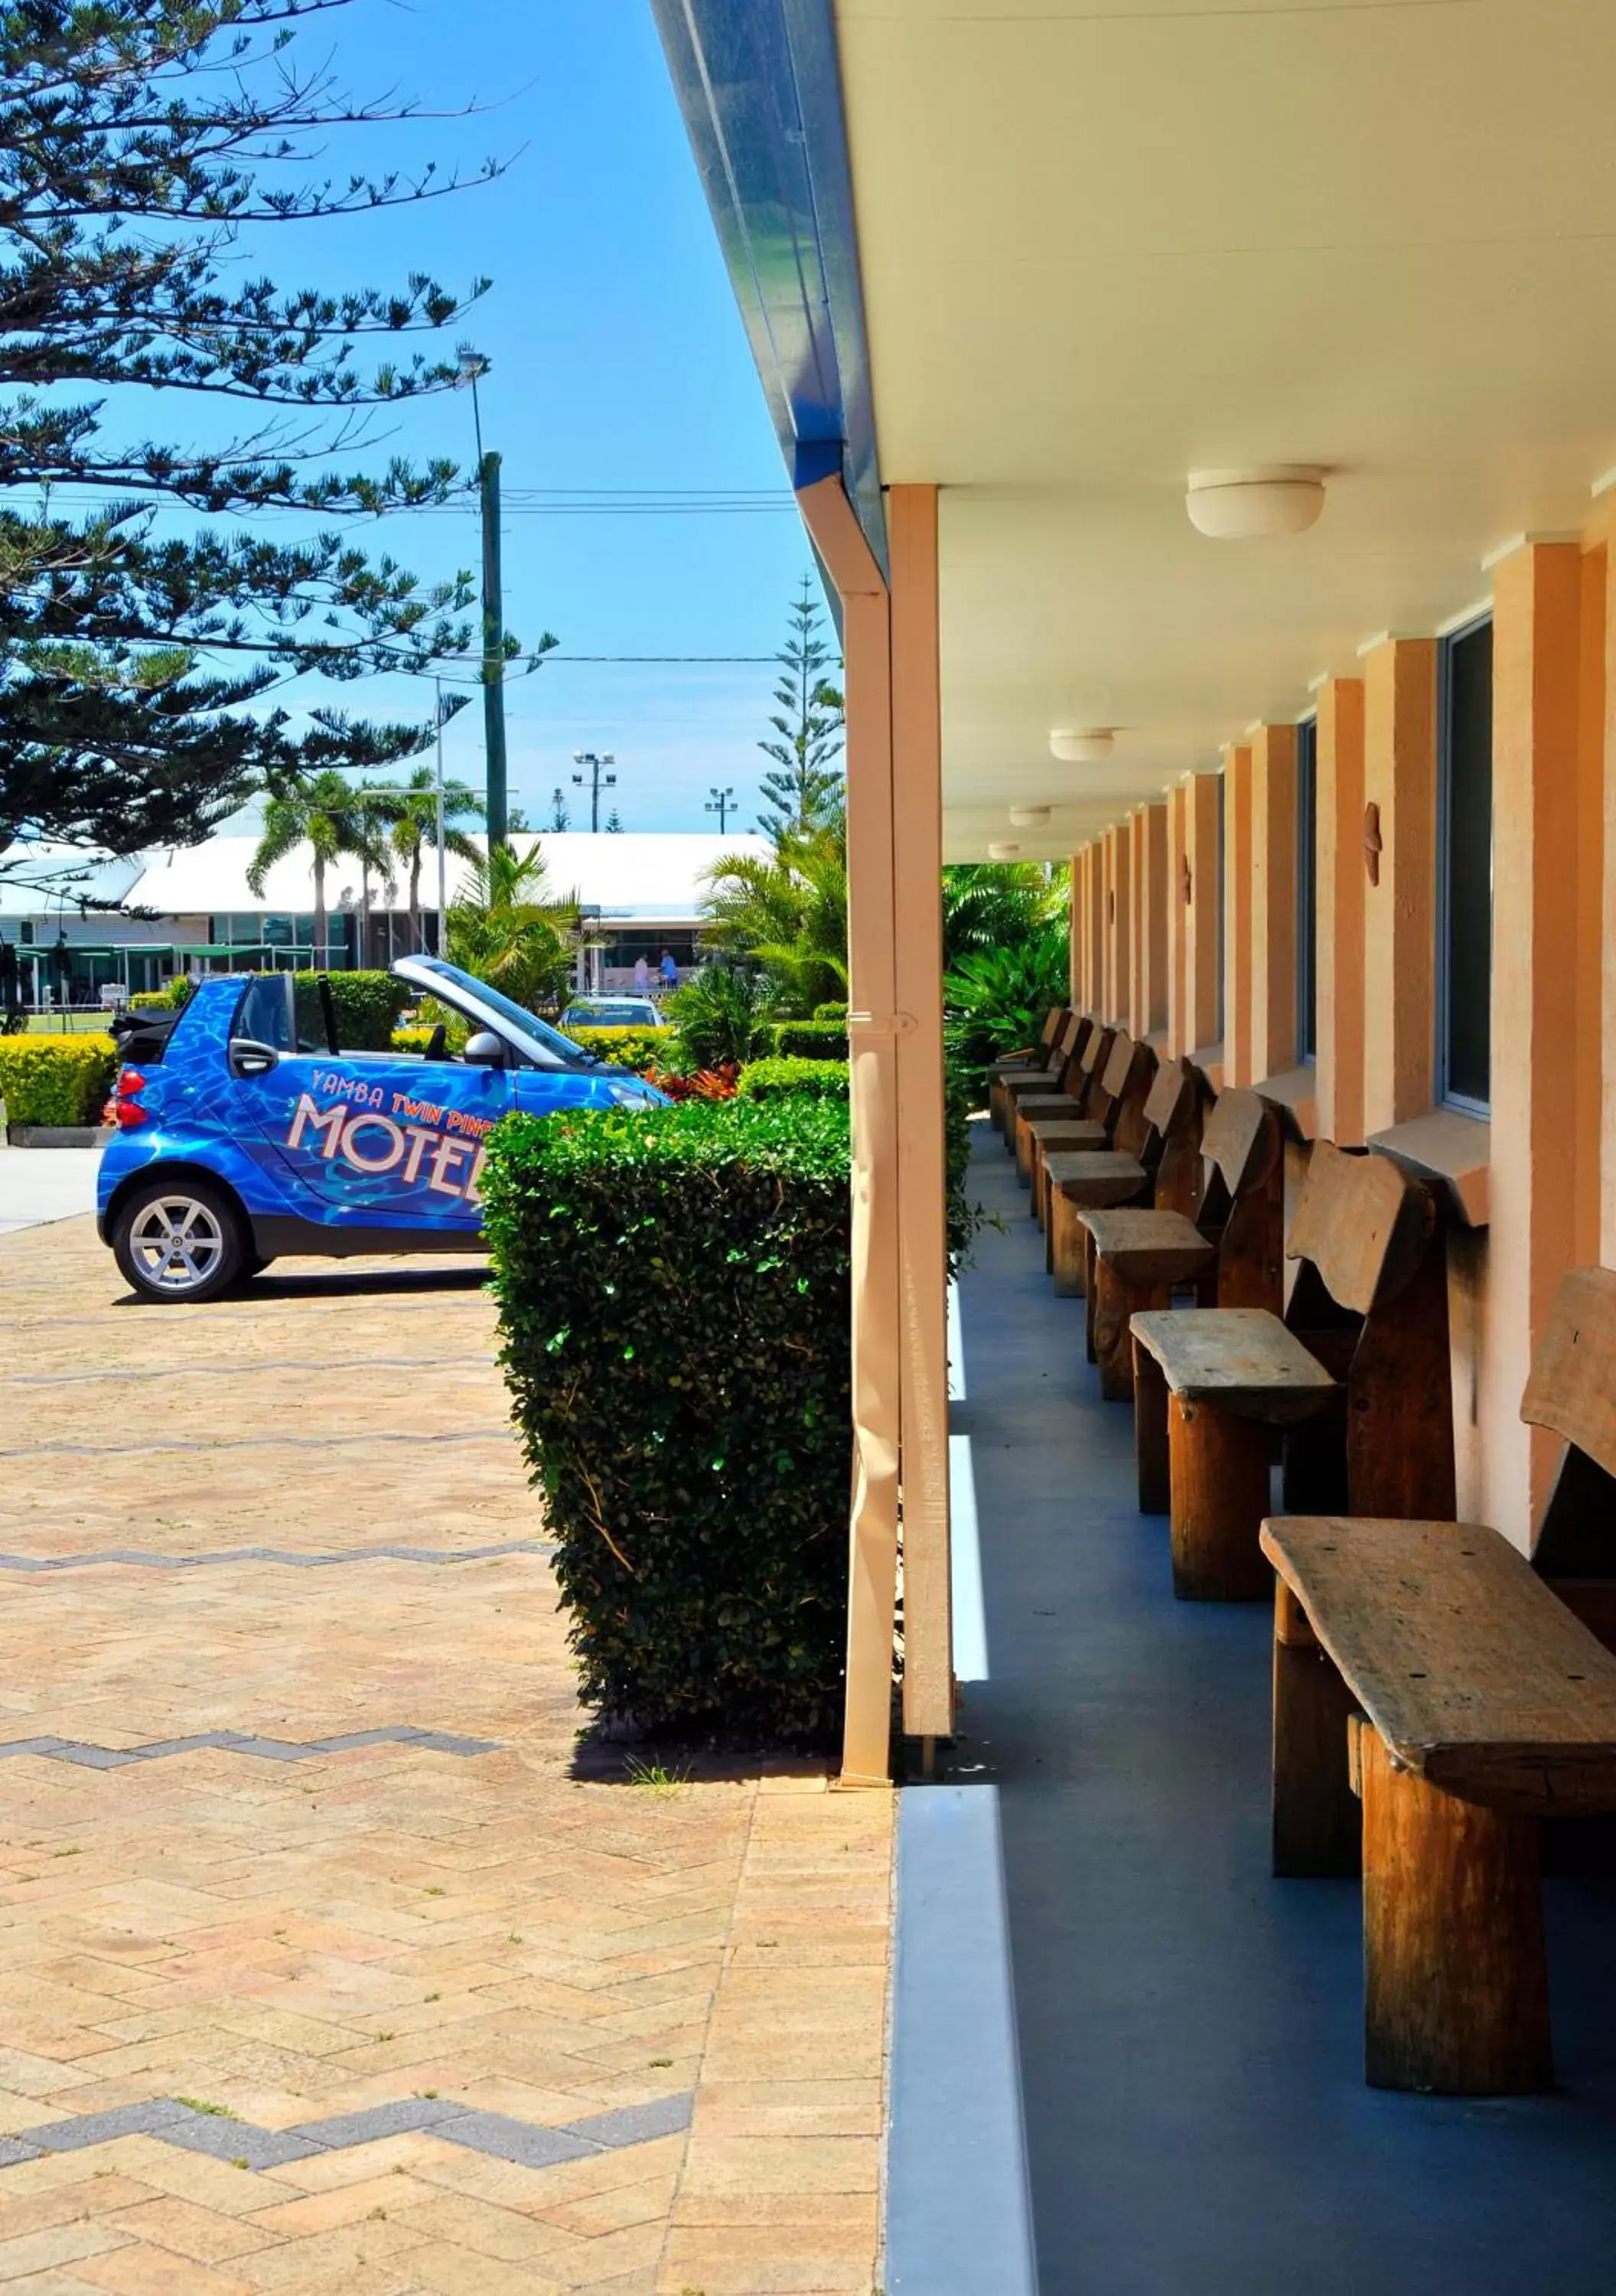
327	1964
1189	2029
39	1184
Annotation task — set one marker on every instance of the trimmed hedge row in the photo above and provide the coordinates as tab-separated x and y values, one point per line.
367	1006
809	1040
625	1048
56	1080
776	1079
673	1294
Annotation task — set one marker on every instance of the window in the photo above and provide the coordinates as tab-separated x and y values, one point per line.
1465	870
1307	890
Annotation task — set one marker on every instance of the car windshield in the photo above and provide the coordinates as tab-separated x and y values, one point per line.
603	1014
527	1024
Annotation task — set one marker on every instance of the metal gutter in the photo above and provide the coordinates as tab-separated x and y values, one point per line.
759	84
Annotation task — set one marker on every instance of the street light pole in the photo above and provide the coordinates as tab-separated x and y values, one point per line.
493	619
597	779
442	855
720	803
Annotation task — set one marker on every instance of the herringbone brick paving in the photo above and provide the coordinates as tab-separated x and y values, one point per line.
289	1942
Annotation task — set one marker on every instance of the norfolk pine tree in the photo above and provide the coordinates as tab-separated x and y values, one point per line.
803	793
141	143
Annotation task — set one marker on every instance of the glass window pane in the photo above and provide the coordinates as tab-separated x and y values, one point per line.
1467	823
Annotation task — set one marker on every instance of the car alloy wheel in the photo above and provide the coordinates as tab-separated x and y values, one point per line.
176	1243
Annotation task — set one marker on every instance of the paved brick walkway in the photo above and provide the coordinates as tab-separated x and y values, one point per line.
422	2011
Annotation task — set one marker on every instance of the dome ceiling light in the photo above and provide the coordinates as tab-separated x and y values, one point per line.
1004	849
1030	816
1245	505
1081	745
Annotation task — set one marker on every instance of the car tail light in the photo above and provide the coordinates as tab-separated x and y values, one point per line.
127	1110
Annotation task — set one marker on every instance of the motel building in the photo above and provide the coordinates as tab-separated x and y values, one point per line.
1206	421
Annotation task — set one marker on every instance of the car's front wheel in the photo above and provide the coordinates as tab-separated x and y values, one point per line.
180	1241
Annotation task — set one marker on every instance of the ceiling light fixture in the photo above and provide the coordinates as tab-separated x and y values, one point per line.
1030	816
1005	850
1081	745
1243	506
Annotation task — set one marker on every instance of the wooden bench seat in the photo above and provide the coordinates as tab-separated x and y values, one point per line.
1076	1178
1485	1705
1151	1249
1082	1095
1356	1375
1061	1072
1117	1091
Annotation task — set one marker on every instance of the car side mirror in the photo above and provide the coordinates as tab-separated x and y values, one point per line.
249	1058
485	1050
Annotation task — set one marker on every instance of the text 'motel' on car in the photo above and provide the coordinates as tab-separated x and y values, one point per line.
237	1142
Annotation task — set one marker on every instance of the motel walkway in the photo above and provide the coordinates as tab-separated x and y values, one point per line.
323	1967
1188	2029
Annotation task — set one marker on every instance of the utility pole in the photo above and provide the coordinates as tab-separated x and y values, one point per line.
493	618
596	780
441	856
721	803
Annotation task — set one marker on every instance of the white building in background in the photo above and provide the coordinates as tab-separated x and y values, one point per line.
190	909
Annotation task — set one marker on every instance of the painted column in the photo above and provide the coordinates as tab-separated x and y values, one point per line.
1094	926
1338	964
1178	868
1203	893
1149	1003
1074	935
1119	847
1400	912
1273	901
1531	1238
1237	916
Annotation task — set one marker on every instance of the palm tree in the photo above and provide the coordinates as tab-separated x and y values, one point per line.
989	905
788	912
505	927
408	811
323	811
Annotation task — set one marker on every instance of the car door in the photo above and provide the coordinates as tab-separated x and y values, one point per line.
379	1138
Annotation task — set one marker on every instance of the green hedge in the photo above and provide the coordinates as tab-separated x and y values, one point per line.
367	1004
830	1011
810	1040
775	1079
56	1080
625	1048
673	1298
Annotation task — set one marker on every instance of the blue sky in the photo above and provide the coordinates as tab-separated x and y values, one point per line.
617	360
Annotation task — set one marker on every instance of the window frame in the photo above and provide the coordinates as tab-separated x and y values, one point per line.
1465	1103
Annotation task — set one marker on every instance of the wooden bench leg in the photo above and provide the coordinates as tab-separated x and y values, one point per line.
1040	1185
1218	1471
1024	1153
1115	1300
1150	1433
1456	1975
1316	1819
996	1097
1066	1237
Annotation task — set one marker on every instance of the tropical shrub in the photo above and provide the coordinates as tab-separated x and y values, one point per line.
638	1049
994	1000
59	1081
832	1012
787	911
673	1294
506	927
774	1079
717	1017
706	1084
998	904
367	1006
809	1040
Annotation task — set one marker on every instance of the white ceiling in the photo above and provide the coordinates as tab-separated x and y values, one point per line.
1106	245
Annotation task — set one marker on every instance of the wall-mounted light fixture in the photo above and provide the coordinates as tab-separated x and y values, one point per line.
1005	849
1247	506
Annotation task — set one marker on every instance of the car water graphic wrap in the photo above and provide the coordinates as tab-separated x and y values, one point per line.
382	1137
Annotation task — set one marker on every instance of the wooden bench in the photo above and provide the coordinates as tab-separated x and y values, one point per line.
1485	1705
1231	1250
1115	1116
1034	1060
1073	1187
1066	1081
1362	1350
1072	1102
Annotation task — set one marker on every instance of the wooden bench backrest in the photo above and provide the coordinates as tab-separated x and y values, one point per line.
1572	1386
1241	1139
1172	1093
1364	1223
1119	1065
1097	1052
1055	1020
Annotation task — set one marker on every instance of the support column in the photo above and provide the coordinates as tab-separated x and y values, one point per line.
1537	630
1400	912
1118	852
1203	898
1273	999
1094	926
1237	916
1149	1001
1178	866
916	804
1339	962
1075	936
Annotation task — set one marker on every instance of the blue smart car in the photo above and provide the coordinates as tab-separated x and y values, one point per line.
239	1141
